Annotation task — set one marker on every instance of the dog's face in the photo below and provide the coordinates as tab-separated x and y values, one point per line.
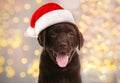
61	40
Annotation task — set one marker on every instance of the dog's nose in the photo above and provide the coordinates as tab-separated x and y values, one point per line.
63	45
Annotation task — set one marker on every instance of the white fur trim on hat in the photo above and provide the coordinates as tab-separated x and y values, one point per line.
31	32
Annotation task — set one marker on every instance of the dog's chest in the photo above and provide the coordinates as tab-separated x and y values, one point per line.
62	80
57	79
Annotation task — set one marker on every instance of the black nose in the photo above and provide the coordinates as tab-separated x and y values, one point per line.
62	45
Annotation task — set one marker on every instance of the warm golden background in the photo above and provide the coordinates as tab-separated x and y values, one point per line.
98	20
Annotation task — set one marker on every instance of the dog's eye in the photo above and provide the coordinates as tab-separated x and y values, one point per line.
70	34
53	34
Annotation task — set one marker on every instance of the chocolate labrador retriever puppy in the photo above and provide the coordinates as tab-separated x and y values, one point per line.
59	62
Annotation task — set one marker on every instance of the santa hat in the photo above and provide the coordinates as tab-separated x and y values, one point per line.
47	15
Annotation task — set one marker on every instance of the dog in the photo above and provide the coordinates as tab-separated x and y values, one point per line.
59	61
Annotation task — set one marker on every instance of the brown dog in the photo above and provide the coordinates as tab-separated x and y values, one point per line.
59	62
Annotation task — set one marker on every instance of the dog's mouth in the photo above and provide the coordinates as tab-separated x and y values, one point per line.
62	59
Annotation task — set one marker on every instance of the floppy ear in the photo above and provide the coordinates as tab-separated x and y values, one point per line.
41	38
80	41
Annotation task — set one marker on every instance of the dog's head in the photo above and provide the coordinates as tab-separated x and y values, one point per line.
60	41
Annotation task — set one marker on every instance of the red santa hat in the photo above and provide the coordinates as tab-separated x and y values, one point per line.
47	15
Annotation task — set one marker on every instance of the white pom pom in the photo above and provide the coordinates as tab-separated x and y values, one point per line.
31	32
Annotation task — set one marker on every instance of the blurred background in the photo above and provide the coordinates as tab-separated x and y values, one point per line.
98	20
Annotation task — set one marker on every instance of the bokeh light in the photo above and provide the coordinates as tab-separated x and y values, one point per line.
22	74
26	20
38	1
33	71
37	52
2	60
15	19
9	61
24	60
10	71
27	6
25	47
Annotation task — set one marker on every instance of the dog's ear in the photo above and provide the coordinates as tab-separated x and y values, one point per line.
42	38
80	41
